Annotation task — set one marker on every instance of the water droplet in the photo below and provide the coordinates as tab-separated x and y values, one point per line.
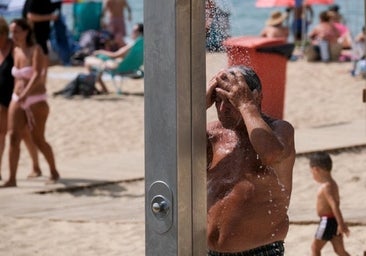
269	212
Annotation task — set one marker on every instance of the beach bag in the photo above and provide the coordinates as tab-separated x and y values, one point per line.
83	84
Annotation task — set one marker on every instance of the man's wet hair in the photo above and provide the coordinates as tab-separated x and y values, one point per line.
322	160
250	76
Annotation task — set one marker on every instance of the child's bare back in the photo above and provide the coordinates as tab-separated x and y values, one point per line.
328	191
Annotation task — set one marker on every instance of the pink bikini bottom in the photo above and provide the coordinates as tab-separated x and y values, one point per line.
29	101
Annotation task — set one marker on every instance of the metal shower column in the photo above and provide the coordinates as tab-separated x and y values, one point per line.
175	127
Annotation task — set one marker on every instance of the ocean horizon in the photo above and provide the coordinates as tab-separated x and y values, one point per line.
245	17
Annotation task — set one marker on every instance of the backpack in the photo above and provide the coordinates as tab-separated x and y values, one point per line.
83	84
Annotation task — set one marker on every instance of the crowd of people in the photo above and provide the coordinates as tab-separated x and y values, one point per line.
328	40
24	61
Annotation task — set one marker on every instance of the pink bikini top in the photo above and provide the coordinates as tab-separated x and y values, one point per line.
25	72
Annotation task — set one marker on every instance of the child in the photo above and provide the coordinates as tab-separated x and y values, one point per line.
332	226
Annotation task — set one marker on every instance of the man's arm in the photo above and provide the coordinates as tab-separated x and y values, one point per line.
272	143
120	53
329	192
41	17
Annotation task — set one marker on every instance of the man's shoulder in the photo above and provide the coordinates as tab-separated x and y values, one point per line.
274	122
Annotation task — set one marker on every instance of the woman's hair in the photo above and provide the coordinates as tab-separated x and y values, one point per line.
251	78
321	160
324	16
24	25
4	28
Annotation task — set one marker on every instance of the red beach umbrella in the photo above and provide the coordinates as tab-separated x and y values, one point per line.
275	3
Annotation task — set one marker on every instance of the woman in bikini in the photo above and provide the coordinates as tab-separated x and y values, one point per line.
28	106
6	90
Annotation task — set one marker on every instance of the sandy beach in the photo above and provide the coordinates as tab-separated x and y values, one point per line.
103	128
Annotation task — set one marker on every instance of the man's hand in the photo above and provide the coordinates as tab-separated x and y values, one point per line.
232	86
211	93
343	229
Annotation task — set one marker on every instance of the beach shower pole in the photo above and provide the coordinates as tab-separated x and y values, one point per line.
175	121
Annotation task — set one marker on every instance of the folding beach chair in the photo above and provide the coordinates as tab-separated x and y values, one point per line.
130	66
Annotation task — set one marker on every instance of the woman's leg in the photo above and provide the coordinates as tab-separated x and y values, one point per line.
32	149
102	84
40	113
16	125
3	130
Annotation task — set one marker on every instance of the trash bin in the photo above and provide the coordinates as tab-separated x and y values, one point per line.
268	57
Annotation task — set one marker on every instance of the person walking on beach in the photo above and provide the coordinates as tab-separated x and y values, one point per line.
116	20
28	106
6	90
332	226
250	158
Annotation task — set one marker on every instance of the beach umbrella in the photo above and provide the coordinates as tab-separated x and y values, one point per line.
289	3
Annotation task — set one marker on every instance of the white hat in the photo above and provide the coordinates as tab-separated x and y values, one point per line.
276	18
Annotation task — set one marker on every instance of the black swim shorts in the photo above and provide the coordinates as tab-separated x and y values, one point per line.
273	249
327	228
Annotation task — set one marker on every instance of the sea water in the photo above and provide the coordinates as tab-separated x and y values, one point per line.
246	18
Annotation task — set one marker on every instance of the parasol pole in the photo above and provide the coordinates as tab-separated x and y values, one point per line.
303	25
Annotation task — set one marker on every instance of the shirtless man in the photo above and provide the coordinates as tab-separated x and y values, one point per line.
249	173
116	25
332	226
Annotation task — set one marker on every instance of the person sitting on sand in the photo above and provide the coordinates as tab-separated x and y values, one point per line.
345	38
332	226
324	40
28	106
274	26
